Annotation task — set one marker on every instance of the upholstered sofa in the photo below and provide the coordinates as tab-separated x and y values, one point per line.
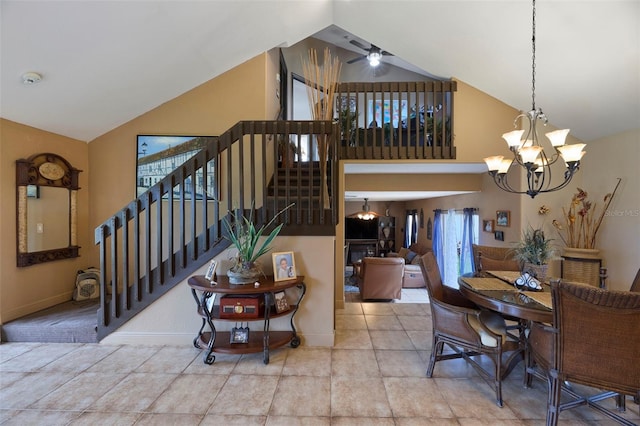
413	277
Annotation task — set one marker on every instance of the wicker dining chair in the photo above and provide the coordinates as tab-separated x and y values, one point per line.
594	341
469	331
488	258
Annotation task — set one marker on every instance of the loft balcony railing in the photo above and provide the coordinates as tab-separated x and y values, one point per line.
403	120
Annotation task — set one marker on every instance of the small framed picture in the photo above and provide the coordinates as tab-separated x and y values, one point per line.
281	302
211	270
487	225
239	335
503	218
284	266
499	235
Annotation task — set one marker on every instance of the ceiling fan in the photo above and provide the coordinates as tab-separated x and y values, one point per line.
374	53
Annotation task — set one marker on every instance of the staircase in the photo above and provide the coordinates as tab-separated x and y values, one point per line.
162	237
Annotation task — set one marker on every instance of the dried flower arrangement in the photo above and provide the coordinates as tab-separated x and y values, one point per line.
580	222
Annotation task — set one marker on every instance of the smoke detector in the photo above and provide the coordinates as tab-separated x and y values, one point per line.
29	78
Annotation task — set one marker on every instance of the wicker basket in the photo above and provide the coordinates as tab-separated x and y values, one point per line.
582	265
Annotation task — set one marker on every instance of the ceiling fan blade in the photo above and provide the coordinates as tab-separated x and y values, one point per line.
357	59
358	44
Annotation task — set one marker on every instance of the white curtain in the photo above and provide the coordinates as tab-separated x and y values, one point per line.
452	241
450	250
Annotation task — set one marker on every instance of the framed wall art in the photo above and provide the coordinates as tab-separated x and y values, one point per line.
499	235
284	266
159	155
487	225
503	218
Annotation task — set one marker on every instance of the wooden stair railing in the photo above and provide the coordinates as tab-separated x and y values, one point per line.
159	239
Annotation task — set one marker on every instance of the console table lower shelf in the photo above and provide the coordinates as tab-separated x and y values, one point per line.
205	294
255	344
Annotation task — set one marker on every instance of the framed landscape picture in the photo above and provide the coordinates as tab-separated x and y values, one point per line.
159	155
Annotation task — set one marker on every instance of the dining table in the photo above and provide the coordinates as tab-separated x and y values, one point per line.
495	290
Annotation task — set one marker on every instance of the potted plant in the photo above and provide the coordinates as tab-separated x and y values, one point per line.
244	236
533	252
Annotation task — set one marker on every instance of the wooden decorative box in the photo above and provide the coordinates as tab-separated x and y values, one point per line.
248	306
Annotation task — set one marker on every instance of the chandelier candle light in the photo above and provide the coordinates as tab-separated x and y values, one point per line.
527	151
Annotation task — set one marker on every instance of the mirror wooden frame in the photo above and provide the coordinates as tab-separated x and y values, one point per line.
45	169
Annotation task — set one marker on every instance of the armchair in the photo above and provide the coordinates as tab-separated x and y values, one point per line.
594	341
381	278
469	331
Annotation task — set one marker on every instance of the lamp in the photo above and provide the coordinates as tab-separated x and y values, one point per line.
374	58
366	212
528	152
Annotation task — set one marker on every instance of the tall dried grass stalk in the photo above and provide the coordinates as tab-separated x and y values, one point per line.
322	82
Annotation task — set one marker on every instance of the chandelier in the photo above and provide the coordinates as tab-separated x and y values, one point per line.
528	152
366	212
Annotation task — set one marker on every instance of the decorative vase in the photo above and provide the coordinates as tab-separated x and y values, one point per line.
243	273
581	265
386	232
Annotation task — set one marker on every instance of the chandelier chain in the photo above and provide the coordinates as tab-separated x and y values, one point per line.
533	58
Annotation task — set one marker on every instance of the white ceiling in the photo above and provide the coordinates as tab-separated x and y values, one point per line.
106	62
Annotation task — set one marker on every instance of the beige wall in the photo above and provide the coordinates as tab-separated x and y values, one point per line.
29	289
209	109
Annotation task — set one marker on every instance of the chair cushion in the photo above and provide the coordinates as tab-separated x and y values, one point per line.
416	261
493	322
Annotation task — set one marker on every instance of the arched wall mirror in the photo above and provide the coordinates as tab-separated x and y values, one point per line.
47	188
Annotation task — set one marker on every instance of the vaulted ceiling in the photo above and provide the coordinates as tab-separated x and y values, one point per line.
106	62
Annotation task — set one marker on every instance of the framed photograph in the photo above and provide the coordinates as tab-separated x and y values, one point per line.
503	218
284	266
281	302
157	156
211	270
239	335
487	225
499	235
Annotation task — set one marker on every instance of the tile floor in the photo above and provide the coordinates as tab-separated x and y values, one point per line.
374	375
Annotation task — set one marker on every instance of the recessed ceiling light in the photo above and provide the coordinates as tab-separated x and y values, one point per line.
29	78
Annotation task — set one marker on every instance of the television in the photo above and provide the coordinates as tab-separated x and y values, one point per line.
360	229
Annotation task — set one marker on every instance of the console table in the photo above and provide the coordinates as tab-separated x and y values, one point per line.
206	292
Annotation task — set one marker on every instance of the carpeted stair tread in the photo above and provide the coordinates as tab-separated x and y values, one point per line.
69	322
